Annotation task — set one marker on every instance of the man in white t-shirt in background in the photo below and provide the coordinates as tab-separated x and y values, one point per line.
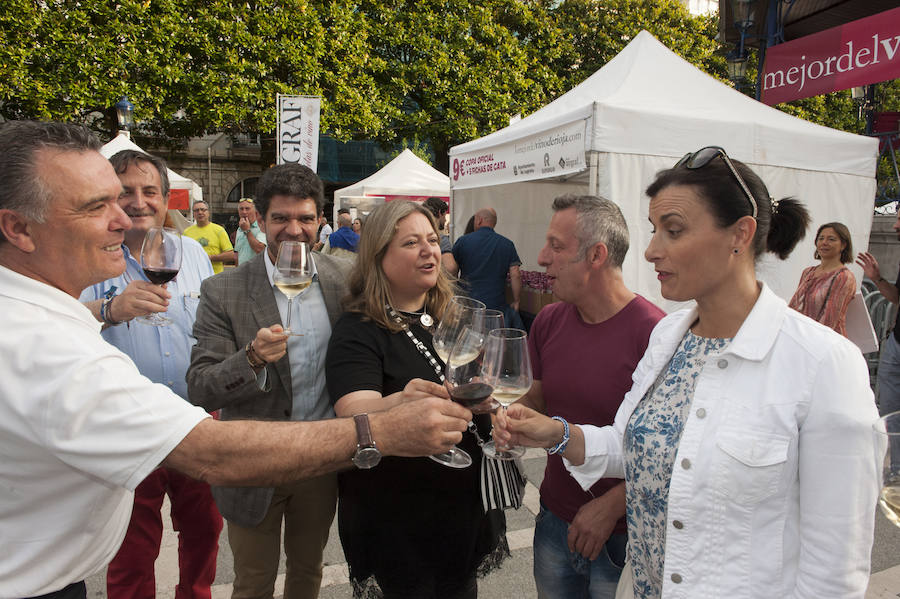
80	427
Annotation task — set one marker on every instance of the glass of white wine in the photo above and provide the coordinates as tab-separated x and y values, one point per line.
292	275
506	367
887	459
460	313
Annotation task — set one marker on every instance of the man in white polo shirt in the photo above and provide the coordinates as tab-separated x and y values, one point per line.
80	427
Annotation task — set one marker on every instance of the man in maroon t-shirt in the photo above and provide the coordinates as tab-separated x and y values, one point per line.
583	351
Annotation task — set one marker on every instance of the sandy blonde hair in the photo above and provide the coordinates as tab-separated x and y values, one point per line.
370	290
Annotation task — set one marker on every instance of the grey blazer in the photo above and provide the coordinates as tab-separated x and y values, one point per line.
233	306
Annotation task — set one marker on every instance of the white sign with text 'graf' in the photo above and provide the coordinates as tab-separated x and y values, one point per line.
553	153
298	130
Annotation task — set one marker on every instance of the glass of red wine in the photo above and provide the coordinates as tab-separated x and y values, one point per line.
462	375
161	261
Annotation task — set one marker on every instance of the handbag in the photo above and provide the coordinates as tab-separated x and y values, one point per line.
502	481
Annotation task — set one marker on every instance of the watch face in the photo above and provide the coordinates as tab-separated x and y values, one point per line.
367	457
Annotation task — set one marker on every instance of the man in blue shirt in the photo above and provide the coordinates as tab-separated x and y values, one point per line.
248	240
162	354
345	238
485	258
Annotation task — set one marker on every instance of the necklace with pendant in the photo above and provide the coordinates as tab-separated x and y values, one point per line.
425	318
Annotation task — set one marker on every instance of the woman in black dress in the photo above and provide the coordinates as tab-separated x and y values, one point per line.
410	527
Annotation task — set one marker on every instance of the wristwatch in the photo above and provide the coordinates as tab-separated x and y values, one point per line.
367	455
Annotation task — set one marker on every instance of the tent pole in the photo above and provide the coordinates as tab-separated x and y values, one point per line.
593	160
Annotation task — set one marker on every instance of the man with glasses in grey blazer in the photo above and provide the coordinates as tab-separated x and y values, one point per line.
246	367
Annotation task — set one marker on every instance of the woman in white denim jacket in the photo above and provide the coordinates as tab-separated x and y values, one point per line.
746	439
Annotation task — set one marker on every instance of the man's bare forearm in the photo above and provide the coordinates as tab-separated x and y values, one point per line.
248	453
253	453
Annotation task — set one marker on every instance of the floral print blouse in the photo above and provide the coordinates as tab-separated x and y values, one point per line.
651	442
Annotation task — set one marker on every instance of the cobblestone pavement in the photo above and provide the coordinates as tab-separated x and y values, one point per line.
513	581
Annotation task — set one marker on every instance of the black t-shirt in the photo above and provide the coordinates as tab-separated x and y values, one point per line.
410	522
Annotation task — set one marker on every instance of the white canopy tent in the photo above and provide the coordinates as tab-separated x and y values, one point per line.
407	176
637	115
176	181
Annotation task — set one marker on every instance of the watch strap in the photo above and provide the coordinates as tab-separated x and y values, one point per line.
363	431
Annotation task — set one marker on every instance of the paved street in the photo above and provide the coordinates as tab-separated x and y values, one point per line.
512	581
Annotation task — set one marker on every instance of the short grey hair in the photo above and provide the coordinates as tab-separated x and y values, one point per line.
597	220
23	190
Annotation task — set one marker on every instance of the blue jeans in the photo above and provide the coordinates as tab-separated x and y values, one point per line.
889	377
562	574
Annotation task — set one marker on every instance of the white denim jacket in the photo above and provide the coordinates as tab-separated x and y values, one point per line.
787	401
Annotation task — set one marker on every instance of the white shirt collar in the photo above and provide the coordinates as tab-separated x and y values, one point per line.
23	288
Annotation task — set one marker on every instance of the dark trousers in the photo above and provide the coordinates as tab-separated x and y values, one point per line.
76	590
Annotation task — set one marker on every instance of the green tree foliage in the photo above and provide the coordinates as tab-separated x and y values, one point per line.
426	73
456	69
596	30
189	67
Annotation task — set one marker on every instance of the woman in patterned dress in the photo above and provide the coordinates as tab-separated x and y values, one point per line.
745	441
825	291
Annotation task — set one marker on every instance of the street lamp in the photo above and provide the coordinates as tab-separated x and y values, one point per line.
737	66
742	14
125	116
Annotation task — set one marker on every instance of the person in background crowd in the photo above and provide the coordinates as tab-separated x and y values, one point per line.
249	240
79	425
484	260
357	226
211	236
825	291
253	372
344	241
889	362
746	440
439	210
324	231
583	350
162	354
470	225
412	529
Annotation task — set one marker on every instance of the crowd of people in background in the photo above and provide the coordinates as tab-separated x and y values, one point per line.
707	452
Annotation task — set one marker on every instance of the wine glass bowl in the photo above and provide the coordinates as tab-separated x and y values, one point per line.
463	373
292	274
887	460
506	367
161	254
460	313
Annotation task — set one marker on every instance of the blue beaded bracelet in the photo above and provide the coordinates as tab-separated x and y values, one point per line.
561	446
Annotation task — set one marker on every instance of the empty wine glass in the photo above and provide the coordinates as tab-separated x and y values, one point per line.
292	274
160	260
506	367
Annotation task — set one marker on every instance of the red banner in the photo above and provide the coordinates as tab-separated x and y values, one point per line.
857	53
179	199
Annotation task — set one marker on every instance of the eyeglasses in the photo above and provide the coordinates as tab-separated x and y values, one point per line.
249	200
703	156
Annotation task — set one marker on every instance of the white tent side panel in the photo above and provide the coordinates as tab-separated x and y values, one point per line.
524	212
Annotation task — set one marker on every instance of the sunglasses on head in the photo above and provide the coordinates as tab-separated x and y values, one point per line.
703	156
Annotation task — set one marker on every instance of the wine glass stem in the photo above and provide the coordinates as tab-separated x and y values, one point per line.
503	446
287	320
